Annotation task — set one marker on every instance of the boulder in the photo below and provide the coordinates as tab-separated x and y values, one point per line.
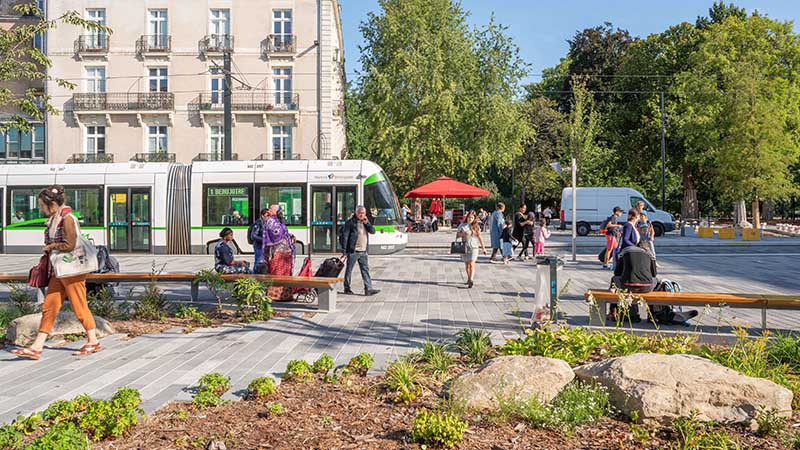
660	388
23	330
518	378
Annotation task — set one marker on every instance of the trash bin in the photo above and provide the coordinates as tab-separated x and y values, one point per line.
546	300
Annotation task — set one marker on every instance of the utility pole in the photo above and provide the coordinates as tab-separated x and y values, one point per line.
227	153
663	156
574	208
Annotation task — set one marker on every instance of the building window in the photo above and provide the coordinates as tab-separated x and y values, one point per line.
157	139
95	140
282	22
157	77
95	79
216	141
96	38
217	90
157	26
219	22
282	81
227	205
22	145
281	142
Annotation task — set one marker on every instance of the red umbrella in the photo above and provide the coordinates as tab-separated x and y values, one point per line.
446	187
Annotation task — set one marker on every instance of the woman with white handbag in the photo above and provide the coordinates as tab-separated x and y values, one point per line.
71	258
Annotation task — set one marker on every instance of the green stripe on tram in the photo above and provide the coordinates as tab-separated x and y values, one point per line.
374	178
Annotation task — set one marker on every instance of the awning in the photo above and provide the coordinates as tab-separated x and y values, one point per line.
446	187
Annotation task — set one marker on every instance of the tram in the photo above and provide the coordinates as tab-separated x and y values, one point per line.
165	208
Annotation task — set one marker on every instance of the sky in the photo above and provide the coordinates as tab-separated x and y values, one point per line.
541	28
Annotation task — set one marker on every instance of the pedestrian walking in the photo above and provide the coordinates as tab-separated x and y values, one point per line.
647	233
612	230
496	225
527	235
630	230
519	228
256	236
651	244
483	218
540	235
278	251
507	238
355	242
61	235
470	233
548	215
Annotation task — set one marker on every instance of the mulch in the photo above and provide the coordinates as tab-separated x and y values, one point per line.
321	415
134	327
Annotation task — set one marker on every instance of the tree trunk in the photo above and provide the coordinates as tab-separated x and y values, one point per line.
756	213
740	215
689	207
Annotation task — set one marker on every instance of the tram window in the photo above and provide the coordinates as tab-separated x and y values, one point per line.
227	205
381	203
87	204
290	199
25	208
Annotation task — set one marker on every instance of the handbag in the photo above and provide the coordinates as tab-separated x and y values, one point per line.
39	275
80	261
458	247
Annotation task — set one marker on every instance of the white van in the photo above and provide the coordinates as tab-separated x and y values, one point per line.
595	204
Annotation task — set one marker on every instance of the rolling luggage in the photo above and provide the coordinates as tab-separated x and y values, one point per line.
330	268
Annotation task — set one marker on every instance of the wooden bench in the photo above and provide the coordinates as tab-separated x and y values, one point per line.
602	297
326	287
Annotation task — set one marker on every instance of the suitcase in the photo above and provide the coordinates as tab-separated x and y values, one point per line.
330	268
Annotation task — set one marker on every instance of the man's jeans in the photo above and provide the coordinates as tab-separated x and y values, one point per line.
258	250
363	264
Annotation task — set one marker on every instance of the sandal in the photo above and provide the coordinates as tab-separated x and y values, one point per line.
88	349
27	353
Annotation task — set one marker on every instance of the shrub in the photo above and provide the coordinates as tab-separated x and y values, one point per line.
578	404
215	383
785	349
251	299
127	398
323	365
770	423
361	363
10	438
215	284
275	408
298	370
28	425
193	314
62	436
23	300
152	303
102	304
66	410
437	429
573	345
790	440
437	360
111	418
402	379
205	399
474	345
261	387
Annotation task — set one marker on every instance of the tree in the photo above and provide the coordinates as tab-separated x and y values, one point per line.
22	62
544	145
438	97
718	12
581	131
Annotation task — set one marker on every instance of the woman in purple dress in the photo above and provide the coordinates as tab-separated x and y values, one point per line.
278	252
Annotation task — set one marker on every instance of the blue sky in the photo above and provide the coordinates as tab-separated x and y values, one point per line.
541	28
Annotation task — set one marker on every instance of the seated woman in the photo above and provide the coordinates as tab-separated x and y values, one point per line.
223	255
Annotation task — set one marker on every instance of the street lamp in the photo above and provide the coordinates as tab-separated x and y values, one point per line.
574	169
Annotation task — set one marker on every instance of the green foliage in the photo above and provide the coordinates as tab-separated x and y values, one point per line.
361	363
28	425
218	287
298	370
437	429
770	423
437	361
10	438
62	436
152	304
66	410
785	349
275	408
695	435
23	300
111	418
402	379
792	440
216	383
261	387
102	304
206	399
474	345
251	299
193	314
323	365
577	404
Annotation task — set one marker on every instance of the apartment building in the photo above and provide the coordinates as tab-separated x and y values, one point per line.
152	89
17	146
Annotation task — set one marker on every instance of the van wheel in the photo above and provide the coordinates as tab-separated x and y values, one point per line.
658	229
583	229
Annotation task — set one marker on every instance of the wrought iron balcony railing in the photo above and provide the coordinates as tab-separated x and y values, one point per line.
278	43
124	101
214	157
271	157
90	158
92	43
154	157
261	101
216	43
154	43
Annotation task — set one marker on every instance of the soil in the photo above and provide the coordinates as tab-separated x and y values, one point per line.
136	327
321	415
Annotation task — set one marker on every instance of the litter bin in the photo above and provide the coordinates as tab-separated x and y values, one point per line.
546	299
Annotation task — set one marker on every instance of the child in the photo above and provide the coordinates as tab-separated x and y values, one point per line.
646	233
540	235
506	237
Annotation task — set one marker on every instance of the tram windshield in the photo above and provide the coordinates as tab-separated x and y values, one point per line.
381	202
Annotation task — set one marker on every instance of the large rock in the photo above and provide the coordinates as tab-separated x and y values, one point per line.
518	378
23	330
659	388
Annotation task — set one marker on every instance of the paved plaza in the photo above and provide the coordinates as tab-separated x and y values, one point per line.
423	297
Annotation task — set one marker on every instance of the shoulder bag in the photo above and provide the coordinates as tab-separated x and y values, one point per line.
458	247
39	275
80	261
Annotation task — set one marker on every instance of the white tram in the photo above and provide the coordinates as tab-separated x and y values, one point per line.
179	208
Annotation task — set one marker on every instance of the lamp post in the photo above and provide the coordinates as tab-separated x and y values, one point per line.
574	169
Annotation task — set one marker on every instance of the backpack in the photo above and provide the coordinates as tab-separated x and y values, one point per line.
256	225
604	225
663	313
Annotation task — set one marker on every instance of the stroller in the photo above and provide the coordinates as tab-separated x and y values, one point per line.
331	267
105	264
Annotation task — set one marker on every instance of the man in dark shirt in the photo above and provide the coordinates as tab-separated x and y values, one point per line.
635	271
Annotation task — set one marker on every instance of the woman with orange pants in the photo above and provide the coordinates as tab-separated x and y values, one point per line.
60	235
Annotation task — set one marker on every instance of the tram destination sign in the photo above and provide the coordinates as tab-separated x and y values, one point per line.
227	191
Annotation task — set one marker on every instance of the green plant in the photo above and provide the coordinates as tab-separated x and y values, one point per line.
298	370
437	429
275	408
205	399
436	358
403	380
770	422
323	365
62	436
66	410
28	425
790	440
193	314
361	363
578	404
216	383
111	418
152	304
261	387
251	299
23	300
10	438
218	287
695	435
474	345
785	349
102	303
620	343
182	415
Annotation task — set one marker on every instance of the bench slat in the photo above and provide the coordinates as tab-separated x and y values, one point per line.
706	298
288	281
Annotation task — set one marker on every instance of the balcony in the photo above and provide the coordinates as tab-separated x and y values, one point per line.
216	43
250	101
271	157
154	157
214	157
91	44
154	45
90	158
123	101
279	44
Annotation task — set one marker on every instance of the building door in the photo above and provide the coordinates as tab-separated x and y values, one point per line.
129	220
331	206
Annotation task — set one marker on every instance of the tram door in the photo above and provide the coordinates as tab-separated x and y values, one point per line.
129	220
2	225
331	206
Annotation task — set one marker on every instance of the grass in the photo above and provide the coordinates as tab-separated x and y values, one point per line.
402	378
474	345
